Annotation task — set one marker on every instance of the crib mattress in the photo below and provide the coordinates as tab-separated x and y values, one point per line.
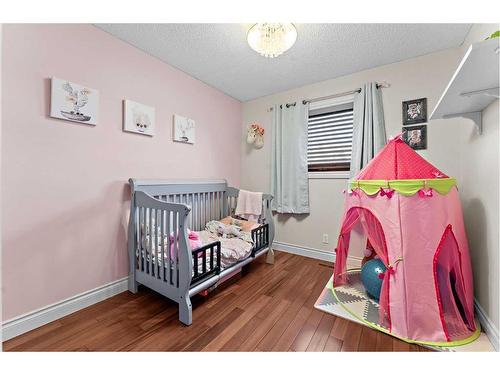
233	250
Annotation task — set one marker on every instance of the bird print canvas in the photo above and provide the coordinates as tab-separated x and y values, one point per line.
73	102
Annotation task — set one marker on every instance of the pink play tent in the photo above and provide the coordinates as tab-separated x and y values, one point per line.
410	213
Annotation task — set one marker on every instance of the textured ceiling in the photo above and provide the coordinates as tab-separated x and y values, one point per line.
219	55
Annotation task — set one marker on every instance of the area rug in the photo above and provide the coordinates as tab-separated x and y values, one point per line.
355	299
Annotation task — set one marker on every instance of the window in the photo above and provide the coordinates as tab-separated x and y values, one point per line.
329	138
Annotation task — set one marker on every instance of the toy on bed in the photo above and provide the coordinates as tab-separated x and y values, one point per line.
224	230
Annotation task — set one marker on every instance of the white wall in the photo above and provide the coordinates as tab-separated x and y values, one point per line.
425	76
479	192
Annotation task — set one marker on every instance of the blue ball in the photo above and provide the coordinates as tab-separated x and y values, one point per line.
370	277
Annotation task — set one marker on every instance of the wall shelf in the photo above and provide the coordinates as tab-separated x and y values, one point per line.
473	86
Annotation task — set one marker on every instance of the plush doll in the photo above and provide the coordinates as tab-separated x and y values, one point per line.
228	230
259	138
369	254
252	133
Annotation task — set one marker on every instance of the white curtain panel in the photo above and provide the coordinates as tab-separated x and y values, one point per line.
289	175
368	136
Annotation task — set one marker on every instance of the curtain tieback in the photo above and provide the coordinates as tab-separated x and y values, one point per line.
390	268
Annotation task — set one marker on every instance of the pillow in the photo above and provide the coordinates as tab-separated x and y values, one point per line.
245	225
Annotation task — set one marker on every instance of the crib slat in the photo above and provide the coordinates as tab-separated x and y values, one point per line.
195	211
195	265
190	216
221	196
211	258
146	240
211	203
162	244
222	204
141	238
150	240
204	260
214	205
217	208
207	206
137	256
204	203
169	246
176	249
153	242
158	244
202	210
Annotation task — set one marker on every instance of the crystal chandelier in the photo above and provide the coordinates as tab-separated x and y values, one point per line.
272	39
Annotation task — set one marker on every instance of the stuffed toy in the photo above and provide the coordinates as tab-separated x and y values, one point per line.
369	254
228	230
255	135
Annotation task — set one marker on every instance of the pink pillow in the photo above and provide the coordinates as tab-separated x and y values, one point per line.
193	239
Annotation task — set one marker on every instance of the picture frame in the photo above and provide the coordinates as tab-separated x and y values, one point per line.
138	118
71	101
184	129
414	111
415	136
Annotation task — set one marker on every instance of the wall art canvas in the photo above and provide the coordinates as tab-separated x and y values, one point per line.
184	129
138	118
415	111
415	136
73	102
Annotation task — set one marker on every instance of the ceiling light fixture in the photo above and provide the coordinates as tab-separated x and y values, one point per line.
272	39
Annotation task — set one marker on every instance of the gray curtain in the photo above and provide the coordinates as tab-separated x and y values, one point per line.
289	175
369	127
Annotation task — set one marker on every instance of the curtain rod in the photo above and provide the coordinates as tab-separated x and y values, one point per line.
379	86
305	101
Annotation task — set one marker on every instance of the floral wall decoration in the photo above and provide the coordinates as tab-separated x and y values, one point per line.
255	135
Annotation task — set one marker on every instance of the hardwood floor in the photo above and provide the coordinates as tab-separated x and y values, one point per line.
268	308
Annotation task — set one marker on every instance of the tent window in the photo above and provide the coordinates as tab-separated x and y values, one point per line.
450	289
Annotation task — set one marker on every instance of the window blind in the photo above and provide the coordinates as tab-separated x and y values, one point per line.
329	141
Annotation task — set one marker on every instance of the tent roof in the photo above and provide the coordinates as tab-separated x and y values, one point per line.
398	161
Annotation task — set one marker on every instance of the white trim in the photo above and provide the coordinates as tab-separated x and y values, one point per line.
27	322
339	100
310	252
304	251
329	175
487	324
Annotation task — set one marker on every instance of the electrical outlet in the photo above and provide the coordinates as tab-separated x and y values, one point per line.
325	238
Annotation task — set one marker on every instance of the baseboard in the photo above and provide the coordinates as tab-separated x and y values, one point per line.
312	253
488	326
27	322
304	251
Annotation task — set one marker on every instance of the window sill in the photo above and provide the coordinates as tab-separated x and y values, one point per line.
344	175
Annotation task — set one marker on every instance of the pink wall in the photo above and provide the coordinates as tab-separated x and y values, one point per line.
65	194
